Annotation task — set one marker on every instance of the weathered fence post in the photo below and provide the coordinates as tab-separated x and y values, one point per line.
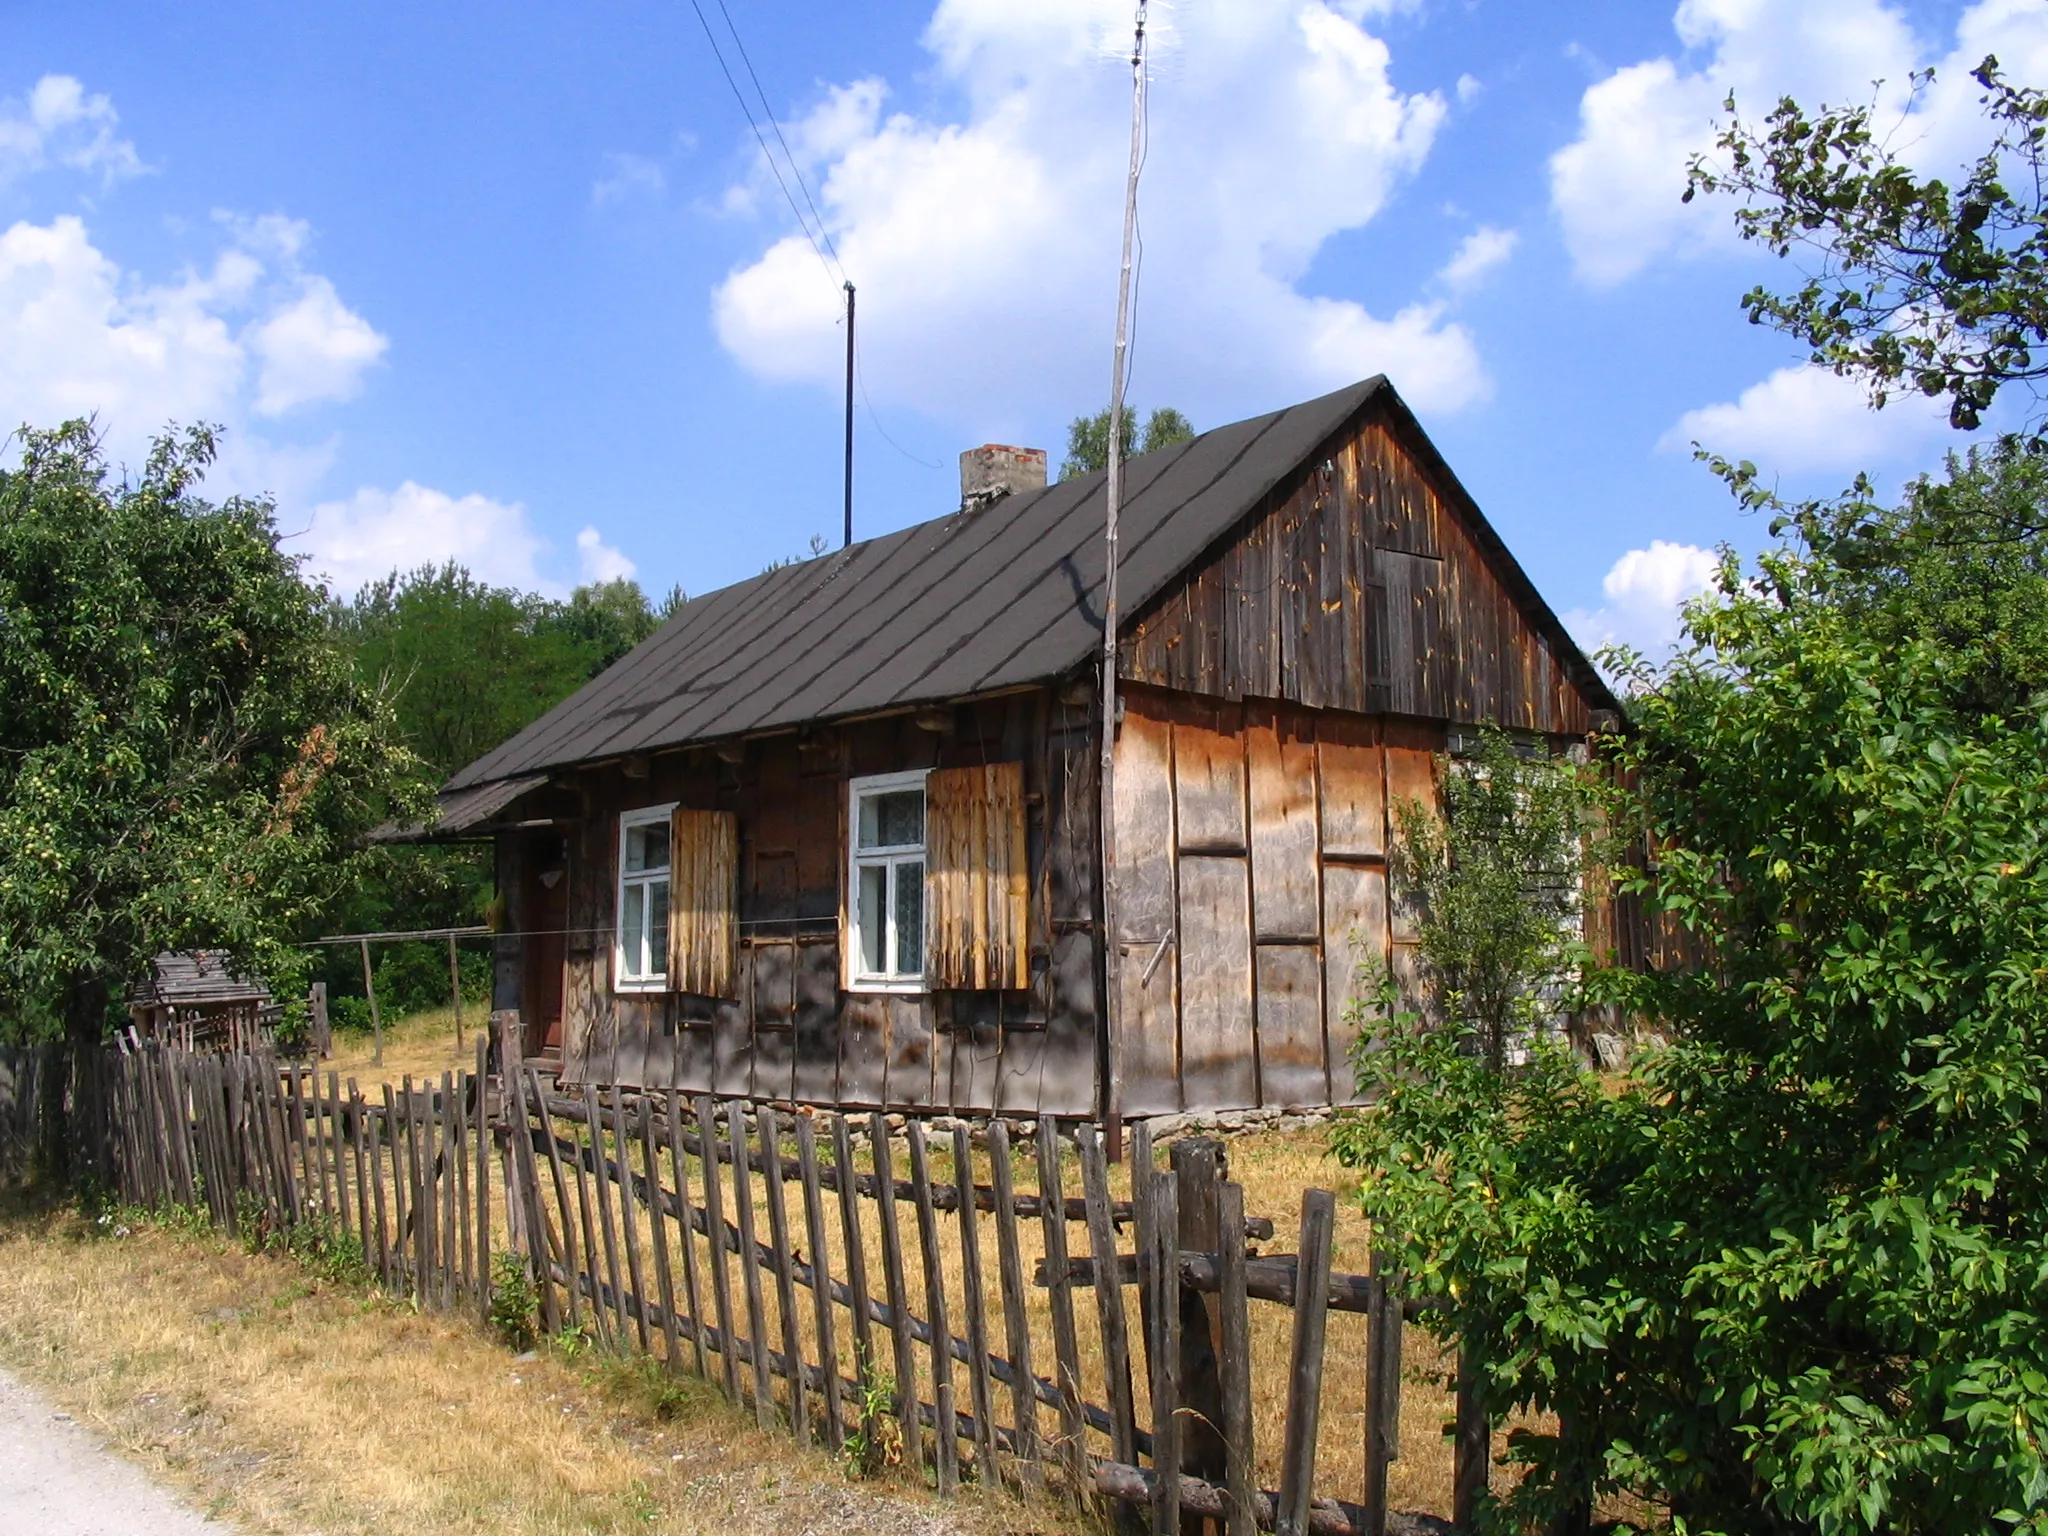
376	1019
1305	1370
1197	1164
1382	1391
322	1032
1235	1348
1159	1241
455	986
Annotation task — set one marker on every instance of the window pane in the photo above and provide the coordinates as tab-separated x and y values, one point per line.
632	930
873	916
647	847
910	917
657	927
892	820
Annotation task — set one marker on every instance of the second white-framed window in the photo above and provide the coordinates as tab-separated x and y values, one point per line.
640	953
885	882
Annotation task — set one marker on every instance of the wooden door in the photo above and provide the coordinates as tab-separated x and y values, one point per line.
543	944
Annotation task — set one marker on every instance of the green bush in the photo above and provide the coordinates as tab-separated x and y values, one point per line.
1794	1276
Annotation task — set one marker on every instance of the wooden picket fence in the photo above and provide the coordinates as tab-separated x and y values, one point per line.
743	1242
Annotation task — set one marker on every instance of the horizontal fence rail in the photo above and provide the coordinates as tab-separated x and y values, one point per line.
955	1299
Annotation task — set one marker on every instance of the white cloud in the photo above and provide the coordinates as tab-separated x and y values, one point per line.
60	125
1645	590
376	532
1806	418
599	561
628	176
78	339
81	337
313	348
1616	187
1478	254
986	247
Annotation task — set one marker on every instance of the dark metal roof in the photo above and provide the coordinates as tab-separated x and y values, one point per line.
981	600
194	978
461	812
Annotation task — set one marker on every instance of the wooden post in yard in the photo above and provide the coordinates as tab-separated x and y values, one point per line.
455	986
1305	1370
1382	1391
1197	1164
376	1023
323	1036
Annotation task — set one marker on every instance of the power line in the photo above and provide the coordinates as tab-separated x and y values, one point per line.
769	112
828	249
774	169
876	420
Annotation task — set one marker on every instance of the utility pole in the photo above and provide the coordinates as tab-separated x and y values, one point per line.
1112	958
849	416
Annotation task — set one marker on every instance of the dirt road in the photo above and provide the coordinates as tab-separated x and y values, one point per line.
58	1479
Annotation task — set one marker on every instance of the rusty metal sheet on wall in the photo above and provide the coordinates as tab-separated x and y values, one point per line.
771	970
1218	1063
1354	960
817	1020
1286	900
774	1063
910	1045
973	1053
1067	1075
1019	1070
693	1057
732	1051
659	1069
1292	1073
634	1019
863	1052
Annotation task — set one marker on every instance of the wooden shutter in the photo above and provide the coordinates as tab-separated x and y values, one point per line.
977	911
703	894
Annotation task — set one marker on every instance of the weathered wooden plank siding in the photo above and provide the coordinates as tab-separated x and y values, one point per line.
1252	886
1362	587
790	1031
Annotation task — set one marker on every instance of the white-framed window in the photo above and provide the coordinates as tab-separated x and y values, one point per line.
885	882
640	951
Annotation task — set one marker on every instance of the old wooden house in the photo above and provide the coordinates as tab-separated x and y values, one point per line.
831	835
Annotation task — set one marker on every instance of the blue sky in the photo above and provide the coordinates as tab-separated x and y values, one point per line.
513	285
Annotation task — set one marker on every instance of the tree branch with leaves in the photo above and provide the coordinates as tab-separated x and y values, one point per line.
1922	284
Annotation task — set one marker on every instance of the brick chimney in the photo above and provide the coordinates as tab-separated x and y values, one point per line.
993	471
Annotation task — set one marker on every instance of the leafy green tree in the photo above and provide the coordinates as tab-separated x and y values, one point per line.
1961	561
1495	880
1088	438
468	664
1793	1277
186	755
603	621
1921	284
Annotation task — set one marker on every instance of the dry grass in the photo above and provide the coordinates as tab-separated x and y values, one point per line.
286	1403
421	1046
